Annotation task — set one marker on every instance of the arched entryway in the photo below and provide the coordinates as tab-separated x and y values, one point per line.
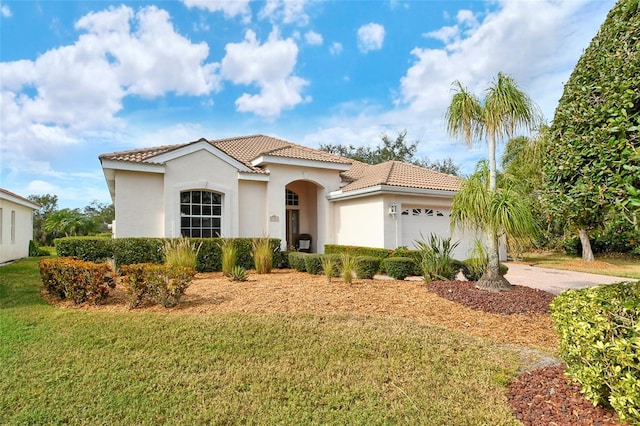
301	201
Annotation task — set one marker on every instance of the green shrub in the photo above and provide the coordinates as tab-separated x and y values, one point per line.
356	251
163	284
262	255
90	249
128	251
599	331
398	268
416	255
77	280
436	262
238	273
36	251
472	272
313	263
296	260
367	266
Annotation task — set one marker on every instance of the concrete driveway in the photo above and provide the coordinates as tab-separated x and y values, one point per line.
555	280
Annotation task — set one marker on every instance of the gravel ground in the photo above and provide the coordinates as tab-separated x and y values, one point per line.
541	395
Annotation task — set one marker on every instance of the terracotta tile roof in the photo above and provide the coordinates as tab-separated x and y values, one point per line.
396	173
19	197
245	149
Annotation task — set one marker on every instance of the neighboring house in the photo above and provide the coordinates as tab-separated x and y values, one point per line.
258	185
16	225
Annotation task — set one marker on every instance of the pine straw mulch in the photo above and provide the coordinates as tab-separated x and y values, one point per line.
540	395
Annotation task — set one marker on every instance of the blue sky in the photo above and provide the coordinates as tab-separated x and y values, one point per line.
82	78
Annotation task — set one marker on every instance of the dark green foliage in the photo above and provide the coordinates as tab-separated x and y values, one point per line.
416	255
599	330
90	249
77	280
367	266
616	237
593	163
398	267
296	261
128	251
380	253
35	251
313	263
210	255
436	262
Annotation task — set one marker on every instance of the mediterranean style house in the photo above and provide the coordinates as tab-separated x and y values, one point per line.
16	225
254	186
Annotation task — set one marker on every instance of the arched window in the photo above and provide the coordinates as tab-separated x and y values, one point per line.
200	214
292	198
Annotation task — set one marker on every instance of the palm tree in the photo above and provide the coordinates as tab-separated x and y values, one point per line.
505	110
69	222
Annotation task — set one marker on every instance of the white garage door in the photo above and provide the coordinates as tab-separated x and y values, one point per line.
421	221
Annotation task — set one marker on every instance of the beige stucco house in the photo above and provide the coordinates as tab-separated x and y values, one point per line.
259	185
16	225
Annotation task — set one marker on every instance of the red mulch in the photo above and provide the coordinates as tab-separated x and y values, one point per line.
544	396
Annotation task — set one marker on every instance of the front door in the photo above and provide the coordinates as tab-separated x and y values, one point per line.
293	220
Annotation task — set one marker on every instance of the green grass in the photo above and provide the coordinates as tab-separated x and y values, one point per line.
68	366
626	266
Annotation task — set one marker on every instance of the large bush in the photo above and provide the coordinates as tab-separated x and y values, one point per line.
356	251
398	267
77	280
367	266
599	330
163	284
90	249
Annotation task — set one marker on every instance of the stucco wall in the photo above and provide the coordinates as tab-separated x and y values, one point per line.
359	222
18	247
139	204
201	170
252	209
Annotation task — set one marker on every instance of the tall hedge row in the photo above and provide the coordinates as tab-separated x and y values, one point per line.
128	251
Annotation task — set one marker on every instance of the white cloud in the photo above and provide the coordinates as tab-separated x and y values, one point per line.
313	38
78	89
230	9
535	42
5	11
335	48
285	11
370	37
270	66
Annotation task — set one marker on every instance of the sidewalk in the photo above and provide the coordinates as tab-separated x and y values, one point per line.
555	280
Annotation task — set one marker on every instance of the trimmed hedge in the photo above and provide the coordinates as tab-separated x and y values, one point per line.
129	251
296	261
398	267
367	266
80	281
416	255
313	263
380	253
161	284
599	330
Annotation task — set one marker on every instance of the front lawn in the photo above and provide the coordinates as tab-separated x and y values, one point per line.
84	366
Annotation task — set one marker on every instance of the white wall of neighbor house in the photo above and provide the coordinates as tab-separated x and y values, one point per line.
252	204
16	230
323	181
359	222
201	170
139	198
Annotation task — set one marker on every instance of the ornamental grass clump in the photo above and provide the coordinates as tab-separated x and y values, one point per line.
437	263
181	252
262	255
229	255
348	267
328	267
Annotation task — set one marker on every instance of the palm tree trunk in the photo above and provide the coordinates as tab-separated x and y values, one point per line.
492	280
587	253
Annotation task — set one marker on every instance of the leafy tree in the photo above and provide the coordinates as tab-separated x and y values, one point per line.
392	149
593	164
69	222
48	204
100	214
504	110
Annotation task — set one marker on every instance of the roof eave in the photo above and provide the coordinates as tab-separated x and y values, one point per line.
299	162
389	189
